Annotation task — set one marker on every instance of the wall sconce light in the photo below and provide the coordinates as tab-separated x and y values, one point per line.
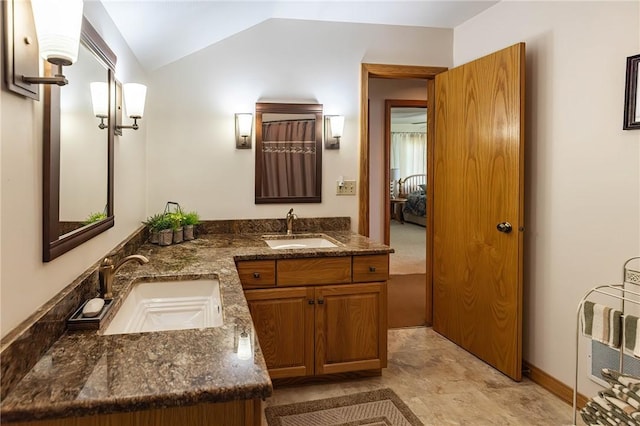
134	98
46	28
333	126
100	101
244	126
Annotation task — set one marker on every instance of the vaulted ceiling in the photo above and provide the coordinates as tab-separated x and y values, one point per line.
162	31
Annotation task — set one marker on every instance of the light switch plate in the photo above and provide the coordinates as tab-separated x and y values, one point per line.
349	188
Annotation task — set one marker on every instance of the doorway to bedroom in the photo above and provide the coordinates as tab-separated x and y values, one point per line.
406	153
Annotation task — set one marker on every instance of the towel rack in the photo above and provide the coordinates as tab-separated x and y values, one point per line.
628	277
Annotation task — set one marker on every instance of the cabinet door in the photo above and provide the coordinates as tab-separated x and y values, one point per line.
351	327
283	319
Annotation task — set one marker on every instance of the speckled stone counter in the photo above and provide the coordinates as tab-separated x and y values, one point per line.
87	373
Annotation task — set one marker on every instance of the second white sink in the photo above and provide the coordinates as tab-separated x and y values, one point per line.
169	305
299	243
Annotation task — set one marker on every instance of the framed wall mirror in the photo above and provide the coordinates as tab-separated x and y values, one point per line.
288	165
78	155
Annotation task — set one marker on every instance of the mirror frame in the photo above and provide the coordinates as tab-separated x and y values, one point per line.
53	244
288	108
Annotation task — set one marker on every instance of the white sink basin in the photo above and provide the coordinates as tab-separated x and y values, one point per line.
169	305
299	243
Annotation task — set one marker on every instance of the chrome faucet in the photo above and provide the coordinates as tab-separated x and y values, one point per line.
290	218
107	270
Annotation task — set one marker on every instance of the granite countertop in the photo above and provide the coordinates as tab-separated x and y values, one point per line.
87	373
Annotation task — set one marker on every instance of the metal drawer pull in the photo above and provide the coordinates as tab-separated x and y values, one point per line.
256	275
372	268
320	301
311	302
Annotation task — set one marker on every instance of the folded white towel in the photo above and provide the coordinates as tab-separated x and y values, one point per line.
600	330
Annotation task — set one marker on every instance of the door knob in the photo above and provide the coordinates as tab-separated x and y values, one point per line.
504	227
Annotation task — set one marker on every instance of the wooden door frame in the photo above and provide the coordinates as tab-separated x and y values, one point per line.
388	104
398	72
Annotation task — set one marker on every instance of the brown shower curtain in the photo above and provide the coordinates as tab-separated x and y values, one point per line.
289	153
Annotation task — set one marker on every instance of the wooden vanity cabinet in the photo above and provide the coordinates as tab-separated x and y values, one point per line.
350	328
284	322
310	325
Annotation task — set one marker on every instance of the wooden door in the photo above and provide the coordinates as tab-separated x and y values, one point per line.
478	188
283	319
351	327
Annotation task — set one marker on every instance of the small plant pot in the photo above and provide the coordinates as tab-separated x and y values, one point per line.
165	237
178	235
188	232
154	237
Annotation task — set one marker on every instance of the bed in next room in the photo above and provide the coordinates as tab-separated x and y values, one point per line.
412	188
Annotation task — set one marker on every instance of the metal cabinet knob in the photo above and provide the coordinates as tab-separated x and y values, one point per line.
256	275
372	268
320	301
504	227
311	301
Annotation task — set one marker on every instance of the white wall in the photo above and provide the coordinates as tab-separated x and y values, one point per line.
191	148
381	89
25	281
583	182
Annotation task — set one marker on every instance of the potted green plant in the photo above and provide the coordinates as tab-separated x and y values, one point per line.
189	220
176	224
94	217
165	230
152	223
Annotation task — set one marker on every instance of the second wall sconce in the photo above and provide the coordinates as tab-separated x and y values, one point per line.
100	101
134	95
333	127
244	126
52	25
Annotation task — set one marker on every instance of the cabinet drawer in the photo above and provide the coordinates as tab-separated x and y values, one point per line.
321	270
257	273
370	268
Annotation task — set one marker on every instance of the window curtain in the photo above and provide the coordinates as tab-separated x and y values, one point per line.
409	153
289	153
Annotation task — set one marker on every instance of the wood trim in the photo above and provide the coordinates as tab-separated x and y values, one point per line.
400	72
431	142
553	385
363	184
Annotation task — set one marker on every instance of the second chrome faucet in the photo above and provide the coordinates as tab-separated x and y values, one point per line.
290	219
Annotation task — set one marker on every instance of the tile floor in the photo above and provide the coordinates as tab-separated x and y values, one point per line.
445	385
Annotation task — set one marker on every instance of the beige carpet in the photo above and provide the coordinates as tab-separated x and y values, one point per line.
409	242
407	300
381	407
